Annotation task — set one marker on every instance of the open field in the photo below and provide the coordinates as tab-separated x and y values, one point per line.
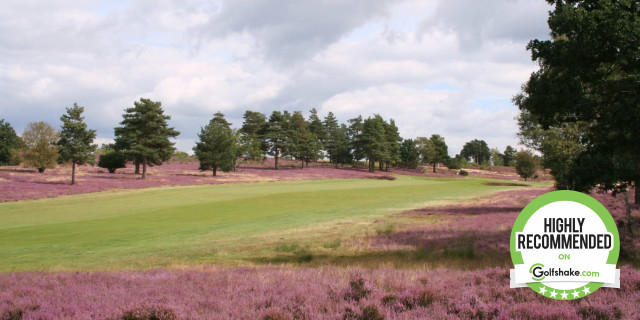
207	224
463	234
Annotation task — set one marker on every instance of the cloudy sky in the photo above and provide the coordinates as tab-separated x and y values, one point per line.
435	66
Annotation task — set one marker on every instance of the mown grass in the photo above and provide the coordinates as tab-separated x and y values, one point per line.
276	222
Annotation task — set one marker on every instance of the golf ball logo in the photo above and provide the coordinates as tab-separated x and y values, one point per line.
565	245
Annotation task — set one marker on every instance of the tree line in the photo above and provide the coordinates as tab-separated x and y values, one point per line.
143	138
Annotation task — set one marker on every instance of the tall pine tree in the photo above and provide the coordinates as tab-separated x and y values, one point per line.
144	134
76	142
217	145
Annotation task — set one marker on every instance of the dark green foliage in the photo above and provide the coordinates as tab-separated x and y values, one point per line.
144	134
334	137
587	87
217	145
276	135
9	141
409	156
526	164
393	141
303	144
112	160
76	142
357	290
508	156
39	148
476	151
436	151
356	126
371	312
463	173
316	126
373	140
253	123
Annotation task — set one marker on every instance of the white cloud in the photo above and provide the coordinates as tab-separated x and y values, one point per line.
447	67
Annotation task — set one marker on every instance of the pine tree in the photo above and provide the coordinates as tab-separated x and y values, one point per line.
275	135
144	134
317	128
217	145
333	137
75	143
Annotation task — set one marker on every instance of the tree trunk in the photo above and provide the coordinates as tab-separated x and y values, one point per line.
628	207
73	172
276	160
307	163
144	168
372	166
636	185
137	167
434	167
336	164
214	170
387	167
380	166
302	164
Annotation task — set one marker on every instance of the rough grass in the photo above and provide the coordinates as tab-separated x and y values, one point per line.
231	224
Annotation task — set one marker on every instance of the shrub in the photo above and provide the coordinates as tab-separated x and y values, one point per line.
112	161
149	313
357	290
463	173
371	313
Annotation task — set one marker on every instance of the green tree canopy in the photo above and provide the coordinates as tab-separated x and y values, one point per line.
333	138
217	145
508	156
526	164
144	134
9	141
39	149
276	135
476	151
436	151
112	160
409	156
373	140
587	88
75	142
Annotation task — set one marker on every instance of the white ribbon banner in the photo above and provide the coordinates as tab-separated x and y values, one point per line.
607	274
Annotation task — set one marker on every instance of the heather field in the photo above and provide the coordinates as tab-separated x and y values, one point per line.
447	261
18	183
318	243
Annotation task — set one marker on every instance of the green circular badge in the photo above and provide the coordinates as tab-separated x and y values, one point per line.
564	246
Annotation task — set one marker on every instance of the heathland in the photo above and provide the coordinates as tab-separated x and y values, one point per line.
317	243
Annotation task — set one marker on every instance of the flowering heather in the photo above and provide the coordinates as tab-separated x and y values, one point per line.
300	293
473	231
17	183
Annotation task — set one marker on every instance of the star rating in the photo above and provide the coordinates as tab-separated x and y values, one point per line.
543	290
586	291
564	295
576	293
553	294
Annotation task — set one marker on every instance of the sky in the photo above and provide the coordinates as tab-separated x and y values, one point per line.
448	67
